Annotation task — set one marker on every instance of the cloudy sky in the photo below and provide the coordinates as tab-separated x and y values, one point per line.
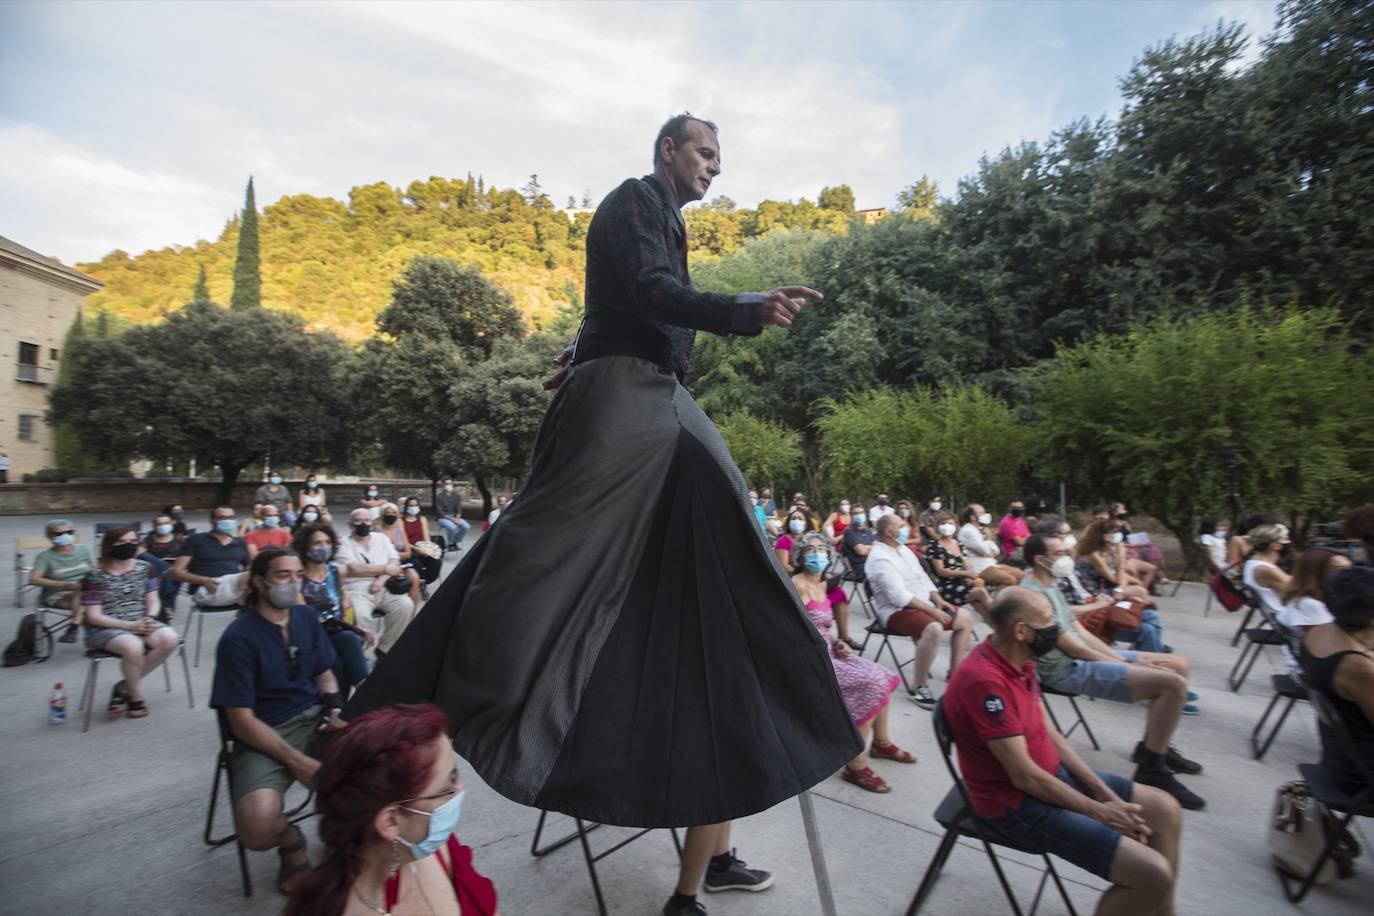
135	125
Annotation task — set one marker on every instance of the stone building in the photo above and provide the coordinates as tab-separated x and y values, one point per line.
39	299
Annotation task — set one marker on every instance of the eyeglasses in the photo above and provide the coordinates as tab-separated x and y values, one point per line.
455	786
293	662
58	534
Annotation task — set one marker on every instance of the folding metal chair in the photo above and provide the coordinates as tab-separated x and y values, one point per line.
97	656
1047	692
580	834
876	628
957	816
1286	687
1257	639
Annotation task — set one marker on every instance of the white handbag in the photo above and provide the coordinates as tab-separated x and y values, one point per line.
1298	825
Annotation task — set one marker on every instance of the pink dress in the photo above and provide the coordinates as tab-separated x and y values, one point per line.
865	685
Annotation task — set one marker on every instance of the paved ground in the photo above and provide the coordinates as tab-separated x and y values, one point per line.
109	822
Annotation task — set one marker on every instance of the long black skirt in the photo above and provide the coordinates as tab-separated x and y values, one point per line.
622	645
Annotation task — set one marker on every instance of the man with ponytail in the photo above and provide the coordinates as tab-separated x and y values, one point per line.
388	796
273	682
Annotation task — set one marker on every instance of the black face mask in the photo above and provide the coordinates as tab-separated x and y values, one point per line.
1045	638
1017	512
362	530
389	519
123	551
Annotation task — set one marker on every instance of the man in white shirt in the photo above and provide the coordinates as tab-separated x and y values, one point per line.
881	509
908	602
494	514
371	559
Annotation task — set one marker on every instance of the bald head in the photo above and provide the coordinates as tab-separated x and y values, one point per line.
889	524
1017	604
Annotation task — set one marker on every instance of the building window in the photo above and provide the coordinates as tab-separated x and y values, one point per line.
52	353
28	354
28	427
28	369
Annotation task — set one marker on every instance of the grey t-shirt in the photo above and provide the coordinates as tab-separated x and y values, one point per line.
1054	664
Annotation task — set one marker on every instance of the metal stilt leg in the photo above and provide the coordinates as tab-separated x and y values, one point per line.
813	841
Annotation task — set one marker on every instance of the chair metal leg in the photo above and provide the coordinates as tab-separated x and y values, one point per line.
1002	878
186	670
1082	720
1257	748
200	630
1207	607
1063	892
167	674
591	866
1311	877
539	853
1244	625
933	870
818	866
1248	655
88	693
897	663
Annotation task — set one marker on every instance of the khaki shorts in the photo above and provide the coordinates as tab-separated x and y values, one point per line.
250	770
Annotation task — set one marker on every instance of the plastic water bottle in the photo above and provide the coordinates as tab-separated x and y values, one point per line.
57	706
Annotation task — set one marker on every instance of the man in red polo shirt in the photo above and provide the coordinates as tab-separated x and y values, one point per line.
1027	782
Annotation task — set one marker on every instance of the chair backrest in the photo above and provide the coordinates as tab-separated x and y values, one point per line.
946	743
1334	726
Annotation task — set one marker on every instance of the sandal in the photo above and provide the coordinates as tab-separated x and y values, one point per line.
137	709
865	779
118	701
890	751
287	872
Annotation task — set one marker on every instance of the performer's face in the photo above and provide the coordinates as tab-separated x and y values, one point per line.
693	163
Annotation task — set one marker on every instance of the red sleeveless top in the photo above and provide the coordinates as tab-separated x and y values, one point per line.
476	894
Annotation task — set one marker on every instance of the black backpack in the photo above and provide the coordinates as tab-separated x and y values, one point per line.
24	648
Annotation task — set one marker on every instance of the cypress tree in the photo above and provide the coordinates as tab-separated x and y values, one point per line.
201	292
247	271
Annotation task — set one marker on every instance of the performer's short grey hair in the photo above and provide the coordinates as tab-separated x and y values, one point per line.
676	128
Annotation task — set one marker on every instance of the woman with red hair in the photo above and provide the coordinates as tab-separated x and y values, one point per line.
388	796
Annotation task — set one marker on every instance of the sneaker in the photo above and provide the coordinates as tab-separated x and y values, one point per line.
687	909
737	877
1192	696
1163	779
1172	759
69	635
1190	709
922	697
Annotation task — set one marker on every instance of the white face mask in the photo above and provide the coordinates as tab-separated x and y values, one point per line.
1070	542
935	506
1062	568
844	508
1116	537
985	519
412	510
946	529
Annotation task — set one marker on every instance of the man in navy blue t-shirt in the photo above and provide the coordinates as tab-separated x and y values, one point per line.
273	682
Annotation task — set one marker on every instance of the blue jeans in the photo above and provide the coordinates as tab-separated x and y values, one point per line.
1073	837
1150	636
455	529
166	585
351	665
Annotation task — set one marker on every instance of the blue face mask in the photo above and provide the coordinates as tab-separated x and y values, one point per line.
442	821
271	521
164	529
903	535
226	526
815	562
860	519
276	481
64	540
796	526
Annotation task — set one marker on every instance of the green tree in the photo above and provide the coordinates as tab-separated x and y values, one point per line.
764	450
1144	415
247	267
441	299
840	197
233	393
920	198
201	292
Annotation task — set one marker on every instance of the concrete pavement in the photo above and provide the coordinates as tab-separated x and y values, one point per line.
109	822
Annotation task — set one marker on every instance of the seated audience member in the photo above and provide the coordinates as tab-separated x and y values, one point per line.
857	542
1081	664
494	514
208	556
959	585
270	534
813	521
1082	600
1336	662
935	504
1359	524
1304	604
836	522
58	571
1143	560
424	553
1012	530
160	548
782	547
121	602
907	602
389	524
371	560
906	511
1212	536
981	550
322	589
770	508
1102	558
389	796
372	501
756	504
1260	570
253	522
1029	783
866	686
178	517
1239	546
279	696
274	493
311	515
879	509
312	497
448	507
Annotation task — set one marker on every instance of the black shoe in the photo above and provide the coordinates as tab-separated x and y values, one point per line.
853	644
737	877
922	697
1163	779
69	635
688	909
1175	761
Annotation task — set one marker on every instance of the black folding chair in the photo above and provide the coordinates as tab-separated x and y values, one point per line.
1046	692
1286	687
876	628
580	834
957	816
1257	639
226	748
1252	606
1325	790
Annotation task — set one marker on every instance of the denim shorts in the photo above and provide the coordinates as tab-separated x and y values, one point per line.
1102	680
1073	837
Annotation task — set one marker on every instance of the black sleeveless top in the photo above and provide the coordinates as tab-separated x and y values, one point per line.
1320	674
